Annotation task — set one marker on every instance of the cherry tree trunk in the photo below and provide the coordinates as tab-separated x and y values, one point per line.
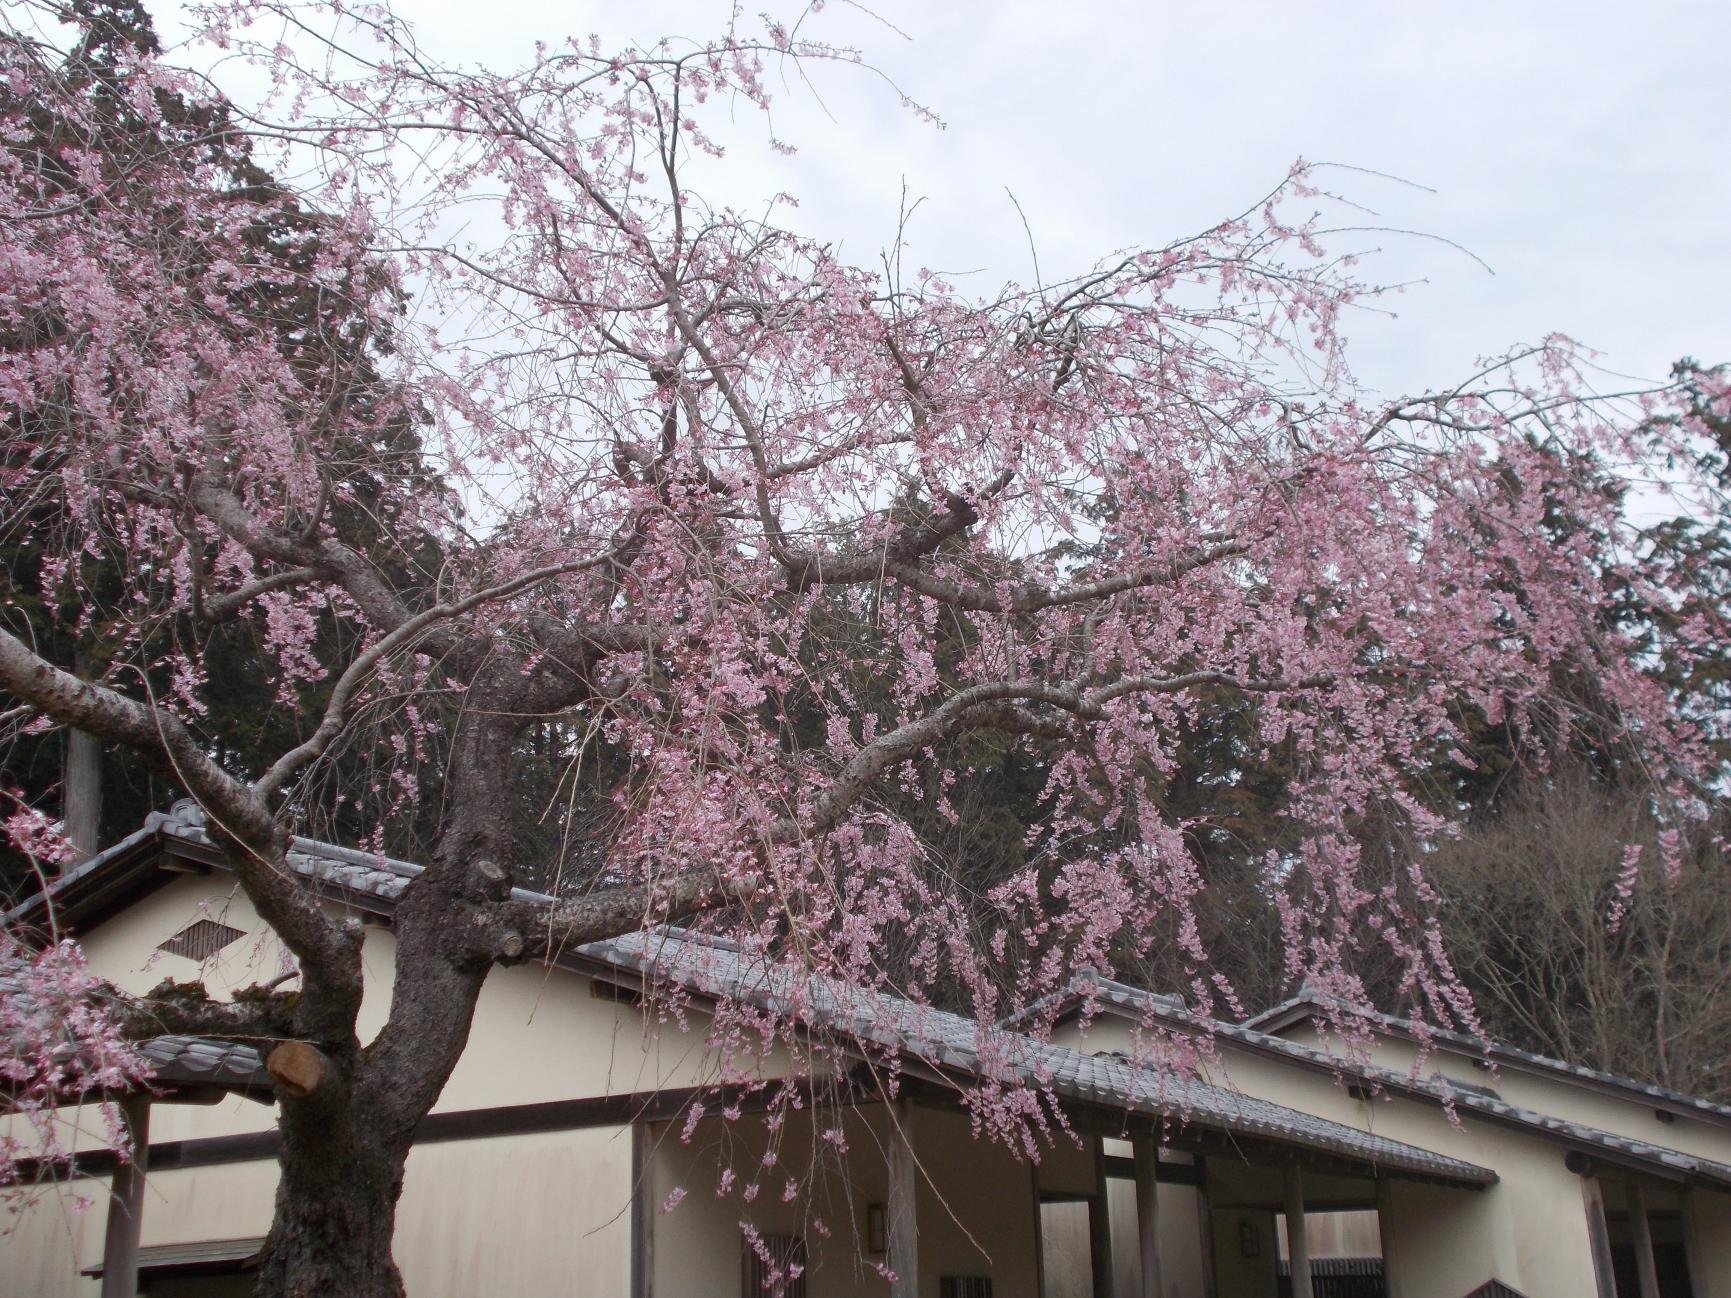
336	1207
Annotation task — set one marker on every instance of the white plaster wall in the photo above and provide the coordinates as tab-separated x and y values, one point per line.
45	1245
540	1035
534	1214
539	1214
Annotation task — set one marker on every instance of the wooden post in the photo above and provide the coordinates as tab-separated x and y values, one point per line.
1644	1263
642	1212
1598	1236
126	1204
81	776
904	1237
1100	1227
1297	1242
1039	1228
1205	1226
1147	1162
1391	1280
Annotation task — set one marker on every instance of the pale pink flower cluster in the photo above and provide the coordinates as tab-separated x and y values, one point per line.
58	1047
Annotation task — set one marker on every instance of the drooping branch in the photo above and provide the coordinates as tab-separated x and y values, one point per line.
984	704
542	928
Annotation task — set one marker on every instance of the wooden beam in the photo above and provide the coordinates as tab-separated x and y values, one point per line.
126	1204
464	1124
904	1237
1170	1173
1147	1162
1645	1266
1297	1241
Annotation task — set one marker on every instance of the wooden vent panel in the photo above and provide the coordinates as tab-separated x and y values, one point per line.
200	940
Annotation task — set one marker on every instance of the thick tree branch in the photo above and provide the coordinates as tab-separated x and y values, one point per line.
811	567
898	554
256	843
539	928
217	607
330	558
548	928
331	724
186	1009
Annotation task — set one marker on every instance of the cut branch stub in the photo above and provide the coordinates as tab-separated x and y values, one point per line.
299	1069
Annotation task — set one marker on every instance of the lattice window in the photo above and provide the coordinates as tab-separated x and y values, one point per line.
768	1265
200	940
965	1286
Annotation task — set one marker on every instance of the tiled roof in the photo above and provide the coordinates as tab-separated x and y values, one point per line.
197	1060
958	1045
175	1060
949	1041
941	1040
158	1260
1466	1098
1308	1005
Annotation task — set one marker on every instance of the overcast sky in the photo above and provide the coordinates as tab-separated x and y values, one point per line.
1580	149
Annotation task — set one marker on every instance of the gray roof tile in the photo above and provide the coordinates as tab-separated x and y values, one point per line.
949	1041
1307	1004
992	1053
1463	1096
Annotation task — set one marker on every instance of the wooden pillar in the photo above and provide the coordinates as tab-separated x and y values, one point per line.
642	1211
1205	1227
1391	1279
81	776
1100	1227
903	1223
1598	1237
126	1204
1147	1163
1039	1228
1644	1264
1297	1242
